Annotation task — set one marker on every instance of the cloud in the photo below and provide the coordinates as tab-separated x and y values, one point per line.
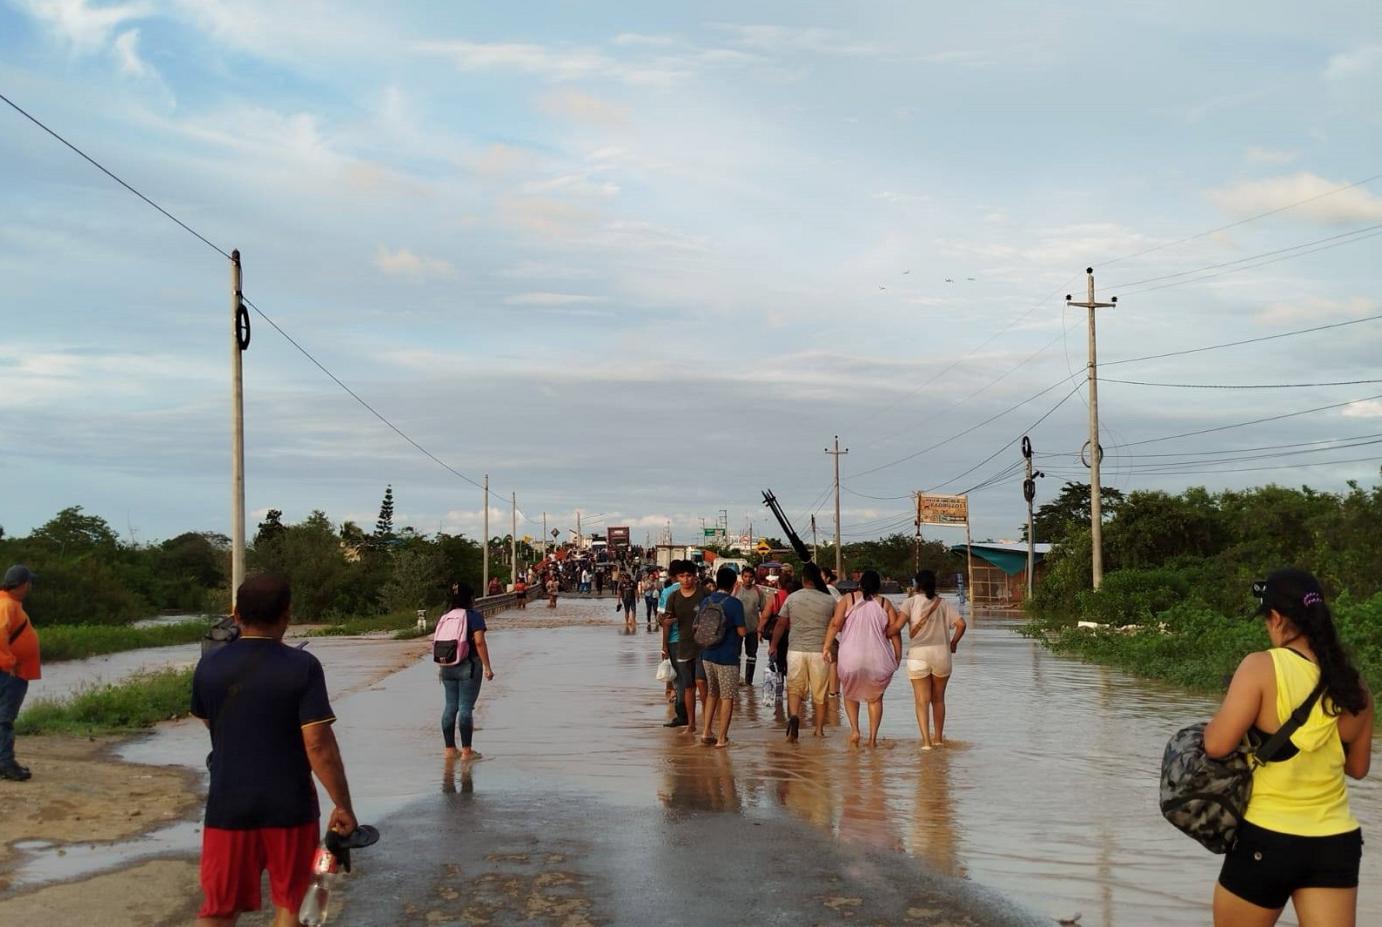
1256	155
549	299
1250	197
575	106
1319	310
86	29
558	63
127	53
1350	65
1368	408
811	39
638	38
417	267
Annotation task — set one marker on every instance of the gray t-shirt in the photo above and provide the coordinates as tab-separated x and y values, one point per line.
753	598
810	611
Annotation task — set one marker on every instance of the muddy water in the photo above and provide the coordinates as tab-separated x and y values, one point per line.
1046	791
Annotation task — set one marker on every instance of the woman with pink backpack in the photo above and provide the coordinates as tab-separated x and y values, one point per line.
869	630
459	649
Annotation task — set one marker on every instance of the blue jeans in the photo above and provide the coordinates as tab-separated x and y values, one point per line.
462	686
12	691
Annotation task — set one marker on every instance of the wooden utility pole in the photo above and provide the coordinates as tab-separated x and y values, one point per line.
239	341
484	584
1029	493
1096	453
839	551
513	539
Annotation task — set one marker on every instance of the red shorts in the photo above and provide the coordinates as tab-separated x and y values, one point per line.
233	864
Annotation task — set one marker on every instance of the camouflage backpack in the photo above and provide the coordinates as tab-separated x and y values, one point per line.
1206	798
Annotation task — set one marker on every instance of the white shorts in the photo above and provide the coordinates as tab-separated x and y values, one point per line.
930	660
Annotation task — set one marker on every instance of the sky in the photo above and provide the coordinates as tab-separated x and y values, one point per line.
643	261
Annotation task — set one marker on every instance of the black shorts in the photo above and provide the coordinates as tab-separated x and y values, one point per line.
690	671
1266	867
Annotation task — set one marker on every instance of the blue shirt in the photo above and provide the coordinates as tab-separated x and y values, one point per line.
726	652
673	636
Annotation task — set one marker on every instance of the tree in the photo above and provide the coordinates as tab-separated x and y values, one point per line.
416	579
71	533
1056	520
383	528
270	528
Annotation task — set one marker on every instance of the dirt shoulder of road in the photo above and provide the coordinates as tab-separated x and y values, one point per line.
81	793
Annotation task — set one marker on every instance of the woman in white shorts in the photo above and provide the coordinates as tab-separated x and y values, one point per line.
934	629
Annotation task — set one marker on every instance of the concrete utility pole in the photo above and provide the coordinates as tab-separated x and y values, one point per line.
484	583
917	568
513	539
839	552
1029	493
578	529
239	341
813	537
544	537
1096	453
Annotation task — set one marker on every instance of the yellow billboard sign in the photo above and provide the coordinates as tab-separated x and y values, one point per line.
942	510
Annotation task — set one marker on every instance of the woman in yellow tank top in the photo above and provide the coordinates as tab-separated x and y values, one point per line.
1298	840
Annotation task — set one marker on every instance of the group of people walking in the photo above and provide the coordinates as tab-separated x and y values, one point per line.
824	644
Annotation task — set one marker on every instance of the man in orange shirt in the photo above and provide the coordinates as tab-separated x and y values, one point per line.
19	663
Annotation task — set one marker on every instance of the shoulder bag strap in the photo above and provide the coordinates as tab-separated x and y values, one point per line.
23	626
1268	750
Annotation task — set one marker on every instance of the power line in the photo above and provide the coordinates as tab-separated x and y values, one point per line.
214	247
1234	225
1236	450
1234	344
102	168
1185	461
1256	421
1241	385
1128	285
1318	463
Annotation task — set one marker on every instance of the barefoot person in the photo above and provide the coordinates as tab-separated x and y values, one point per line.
805	615
266	707
682	604
934	629
461	681
721	660
869	630
1298	841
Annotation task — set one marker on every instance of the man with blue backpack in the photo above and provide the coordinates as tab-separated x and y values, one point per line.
719	629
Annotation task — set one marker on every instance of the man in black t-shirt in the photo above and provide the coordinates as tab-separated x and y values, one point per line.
682	606
266	707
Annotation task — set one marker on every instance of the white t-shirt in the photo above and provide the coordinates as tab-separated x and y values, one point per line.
933	620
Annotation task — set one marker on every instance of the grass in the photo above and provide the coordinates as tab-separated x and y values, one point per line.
78	641
139	702
353	627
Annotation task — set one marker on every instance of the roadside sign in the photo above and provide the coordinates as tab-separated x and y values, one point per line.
764	547
942	510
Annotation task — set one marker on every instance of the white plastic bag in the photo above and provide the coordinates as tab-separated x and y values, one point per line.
771	684
665	673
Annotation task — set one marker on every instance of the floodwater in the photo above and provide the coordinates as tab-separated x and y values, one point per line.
1046	791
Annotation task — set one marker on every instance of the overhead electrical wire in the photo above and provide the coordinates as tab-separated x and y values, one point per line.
1239	385
1234	344
1256	421
225	254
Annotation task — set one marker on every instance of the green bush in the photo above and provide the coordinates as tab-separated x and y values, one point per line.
1133	596
77	642
139	702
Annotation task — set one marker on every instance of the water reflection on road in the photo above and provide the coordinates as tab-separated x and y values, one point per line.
1045	791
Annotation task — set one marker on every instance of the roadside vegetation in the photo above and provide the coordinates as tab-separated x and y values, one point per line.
79	641
139	702
1176	603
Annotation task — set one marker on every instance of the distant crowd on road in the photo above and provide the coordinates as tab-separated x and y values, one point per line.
821	644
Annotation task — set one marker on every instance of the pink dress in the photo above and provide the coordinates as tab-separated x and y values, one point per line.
867	661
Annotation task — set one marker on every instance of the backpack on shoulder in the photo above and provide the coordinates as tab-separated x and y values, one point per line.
708	629
1206	798
451	639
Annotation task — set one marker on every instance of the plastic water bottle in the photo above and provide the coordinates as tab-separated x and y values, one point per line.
314	903
769	697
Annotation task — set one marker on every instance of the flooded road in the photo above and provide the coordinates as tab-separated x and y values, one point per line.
1045	792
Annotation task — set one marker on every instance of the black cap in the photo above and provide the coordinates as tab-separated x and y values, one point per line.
18	575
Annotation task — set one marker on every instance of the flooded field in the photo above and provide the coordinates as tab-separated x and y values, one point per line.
1045	792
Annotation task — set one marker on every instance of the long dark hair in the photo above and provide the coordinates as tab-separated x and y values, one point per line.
870	583
926	583
1297	595
461	595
